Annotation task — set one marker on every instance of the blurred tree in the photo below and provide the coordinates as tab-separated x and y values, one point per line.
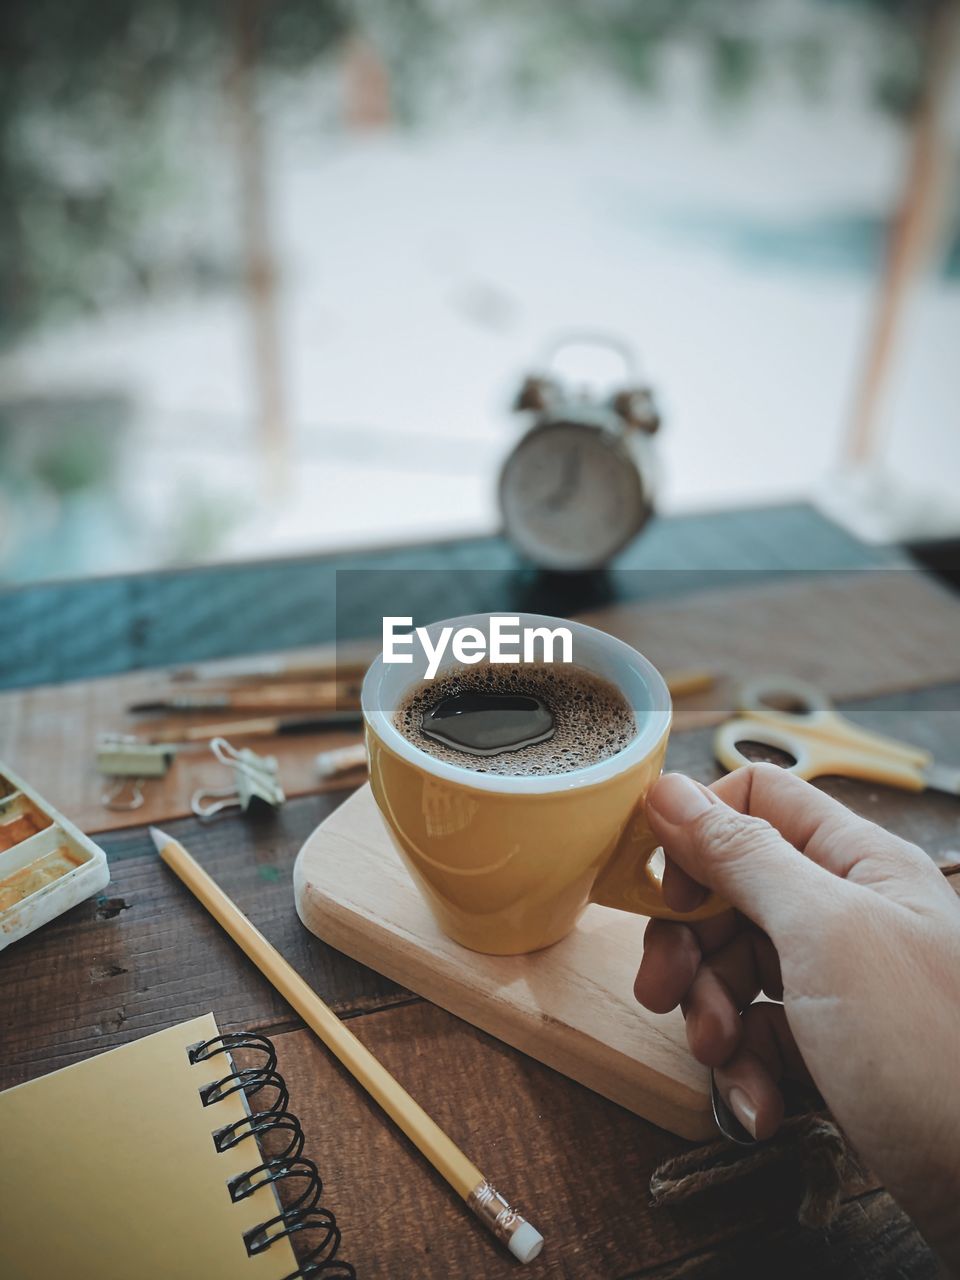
908	24
740	40
82	154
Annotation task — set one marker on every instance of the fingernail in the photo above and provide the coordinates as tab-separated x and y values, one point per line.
744	1110
678	799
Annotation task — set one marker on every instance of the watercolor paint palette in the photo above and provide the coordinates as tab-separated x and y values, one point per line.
47	865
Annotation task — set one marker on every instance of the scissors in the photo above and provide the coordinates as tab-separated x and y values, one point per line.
822	741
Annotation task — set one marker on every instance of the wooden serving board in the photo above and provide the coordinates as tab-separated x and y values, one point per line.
570	1006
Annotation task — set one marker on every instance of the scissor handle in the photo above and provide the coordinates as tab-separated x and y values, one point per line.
812	710
815	754
762	693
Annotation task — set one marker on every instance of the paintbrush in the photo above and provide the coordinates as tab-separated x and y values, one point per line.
324	695
276	669
683	684
262	727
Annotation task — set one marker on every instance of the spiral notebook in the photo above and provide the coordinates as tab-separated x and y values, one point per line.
149	1161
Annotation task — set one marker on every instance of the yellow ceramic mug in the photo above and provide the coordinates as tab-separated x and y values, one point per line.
508	863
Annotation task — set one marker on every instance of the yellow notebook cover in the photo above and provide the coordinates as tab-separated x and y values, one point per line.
110	1172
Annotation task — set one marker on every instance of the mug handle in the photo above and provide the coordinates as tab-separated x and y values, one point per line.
629	881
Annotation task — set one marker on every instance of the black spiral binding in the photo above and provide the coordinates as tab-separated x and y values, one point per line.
304	1211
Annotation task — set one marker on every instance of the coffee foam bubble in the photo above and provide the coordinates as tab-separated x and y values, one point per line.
593	719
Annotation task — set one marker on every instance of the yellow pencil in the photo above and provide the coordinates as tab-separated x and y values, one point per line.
523	1240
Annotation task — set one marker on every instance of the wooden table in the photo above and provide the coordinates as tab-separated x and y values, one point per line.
144	956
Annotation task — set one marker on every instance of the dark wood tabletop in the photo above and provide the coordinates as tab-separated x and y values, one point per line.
143	956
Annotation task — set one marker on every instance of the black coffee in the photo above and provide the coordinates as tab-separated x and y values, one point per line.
484	724
506	719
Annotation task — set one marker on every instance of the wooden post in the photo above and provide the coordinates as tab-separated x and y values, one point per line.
366	86
259	269
913	231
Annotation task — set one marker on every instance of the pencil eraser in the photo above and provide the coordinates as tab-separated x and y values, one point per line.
526	1242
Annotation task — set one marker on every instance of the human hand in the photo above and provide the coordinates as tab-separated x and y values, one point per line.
858	935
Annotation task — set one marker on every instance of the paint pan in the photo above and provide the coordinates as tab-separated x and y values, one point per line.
47	865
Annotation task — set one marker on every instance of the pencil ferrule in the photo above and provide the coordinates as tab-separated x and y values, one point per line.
494	1212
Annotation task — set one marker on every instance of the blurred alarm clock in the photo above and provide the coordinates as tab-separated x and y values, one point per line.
579	485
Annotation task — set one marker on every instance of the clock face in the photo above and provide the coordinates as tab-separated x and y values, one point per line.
571	495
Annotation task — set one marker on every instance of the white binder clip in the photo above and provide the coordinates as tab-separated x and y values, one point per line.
127	762
254	778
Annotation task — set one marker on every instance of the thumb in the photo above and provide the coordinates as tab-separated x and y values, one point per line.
743	858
